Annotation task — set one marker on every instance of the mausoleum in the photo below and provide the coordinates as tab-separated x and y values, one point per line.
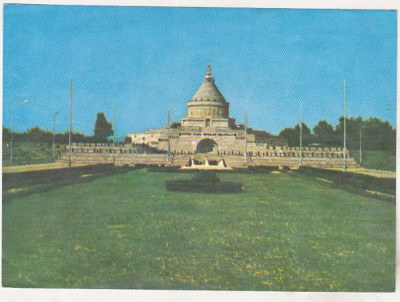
207	138
207	128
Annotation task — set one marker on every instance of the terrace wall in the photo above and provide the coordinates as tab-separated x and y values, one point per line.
331	157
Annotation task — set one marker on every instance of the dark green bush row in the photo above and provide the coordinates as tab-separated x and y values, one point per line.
26	183
358	183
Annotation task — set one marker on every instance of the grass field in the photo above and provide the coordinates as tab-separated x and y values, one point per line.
376	159
285	232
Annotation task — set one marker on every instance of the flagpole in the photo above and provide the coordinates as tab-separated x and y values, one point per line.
245	136
70	125
114	133
169	136
360	143
344	129
301	135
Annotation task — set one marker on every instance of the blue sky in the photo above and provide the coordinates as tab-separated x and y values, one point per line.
265	61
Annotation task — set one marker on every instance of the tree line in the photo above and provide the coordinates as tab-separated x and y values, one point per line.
375	134
102	130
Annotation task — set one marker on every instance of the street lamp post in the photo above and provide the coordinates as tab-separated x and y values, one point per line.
54	134
12	127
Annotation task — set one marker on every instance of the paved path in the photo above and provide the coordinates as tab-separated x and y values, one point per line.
371	172
38	167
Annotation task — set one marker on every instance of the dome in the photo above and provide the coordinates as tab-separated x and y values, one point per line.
208	91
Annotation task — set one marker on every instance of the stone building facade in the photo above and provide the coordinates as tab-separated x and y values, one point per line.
208	137
207	128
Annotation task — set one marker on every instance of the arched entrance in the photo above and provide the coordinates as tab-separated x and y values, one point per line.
206	146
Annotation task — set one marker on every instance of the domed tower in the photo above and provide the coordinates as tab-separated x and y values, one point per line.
207	107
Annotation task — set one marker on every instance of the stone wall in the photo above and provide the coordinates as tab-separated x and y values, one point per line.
126	154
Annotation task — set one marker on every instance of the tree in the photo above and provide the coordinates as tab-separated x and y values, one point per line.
306	130
323	129
376	134
38	135
290	134
6	134
102	128
324	133
293	135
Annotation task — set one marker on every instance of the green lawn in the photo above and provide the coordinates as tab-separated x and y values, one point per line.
376	159
285	232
